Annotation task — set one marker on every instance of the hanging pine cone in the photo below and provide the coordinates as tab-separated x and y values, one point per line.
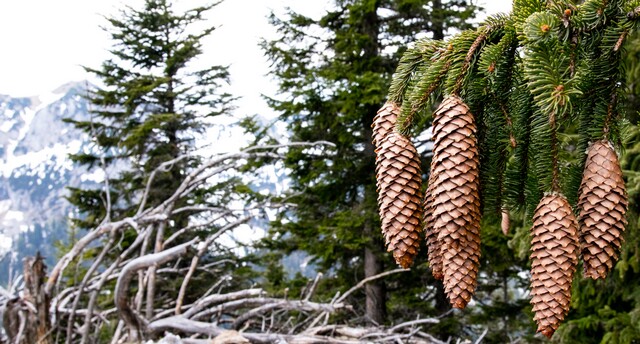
505	223
431	235
383	124
384	121
399	182
456	200
603	206
554	256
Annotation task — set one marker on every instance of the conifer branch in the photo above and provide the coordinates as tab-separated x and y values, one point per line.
418	101
555	172
610	113
406	71
467	61
635	14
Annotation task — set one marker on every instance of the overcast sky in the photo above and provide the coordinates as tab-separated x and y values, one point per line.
43	43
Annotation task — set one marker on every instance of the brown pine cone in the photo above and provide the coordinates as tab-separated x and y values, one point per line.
431	235
456	199
383	124
554	256
505	223
603	206
399	181
384	121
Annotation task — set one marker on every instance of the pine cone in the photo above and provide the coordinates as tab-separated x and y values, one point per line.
430	233
603	206
505	223
399	181
384	121
456	200
554	256
383	124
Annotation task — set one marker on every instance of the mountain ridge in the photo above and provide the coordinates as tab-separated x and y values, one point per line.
35	169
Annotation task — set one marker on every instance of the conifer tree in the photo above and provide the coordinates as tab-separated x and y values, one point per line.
333	73
150	105
537	91
146	113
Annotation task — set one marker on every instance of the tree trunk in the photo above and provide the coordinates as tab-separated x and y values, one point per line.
375	302
26	319
375	291
438	20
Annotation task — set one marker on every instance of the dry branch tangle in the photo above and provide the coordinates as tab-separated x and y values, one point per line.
554	256
456	200
134	259
603	207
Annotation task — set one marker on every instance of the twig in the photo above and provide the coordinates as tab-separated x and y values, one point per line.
204	246
367	280
479	340
414	322
312	289
132	320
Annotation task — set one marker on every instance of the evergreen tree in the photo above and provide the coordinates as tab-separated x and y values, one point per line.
151	105
333	73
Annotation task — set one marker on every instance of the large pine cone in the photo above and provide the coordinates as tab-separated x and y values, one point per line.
384	121
456	199
603	206
554	256
399	182
383	124
430	233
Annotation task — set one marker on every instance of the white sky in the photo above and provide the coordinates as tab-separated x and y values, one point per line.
44	42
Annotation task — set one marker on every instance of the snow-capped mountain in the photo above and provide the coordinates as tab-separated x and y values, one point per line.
35	169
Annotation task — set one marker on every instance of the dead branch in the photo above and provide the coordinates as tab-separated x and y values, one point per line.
194	262
189	326
367	280
286	305
133	322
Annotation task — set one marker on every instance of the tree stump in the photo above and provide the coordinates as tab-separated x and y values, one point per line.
26	318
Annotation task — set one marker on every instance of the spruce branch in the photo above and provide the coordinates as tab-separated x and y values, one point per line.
610	113
635	14
407	68
555	171
420	94
467	61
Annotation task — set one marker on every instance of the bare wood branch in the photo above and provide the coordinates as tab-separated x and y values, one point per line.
219	298
181	324
312	289
164	167
288	305
83	285
204	246
151	271
484	333
131	319
367	280
414	322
